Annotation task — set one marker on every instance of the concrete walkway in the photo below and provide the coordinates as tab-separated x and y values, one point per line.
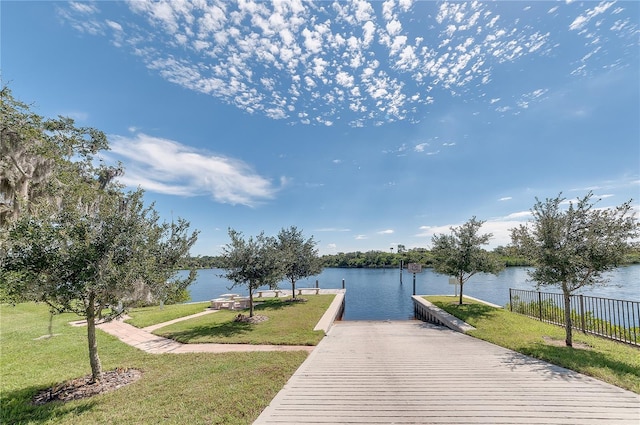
416	373
144	340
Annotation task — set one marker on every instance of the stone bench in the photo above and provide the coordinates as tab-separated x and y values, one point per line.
277	291
308	289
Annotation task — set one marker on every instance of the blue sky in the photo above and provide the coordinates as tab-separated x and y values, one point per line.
365	124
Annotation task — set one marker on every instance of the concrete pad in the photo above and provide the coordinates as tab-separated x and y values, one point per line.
411	372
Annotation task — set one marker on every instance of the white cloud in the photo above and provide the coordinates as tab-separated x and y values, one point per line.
86	8
397	53
420	147
385	232
165	166
361	237
517	215
506	198
500	228
583	19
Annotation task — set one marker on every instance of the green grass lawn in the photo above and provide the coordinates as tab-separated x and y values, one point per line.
230	388
288	324
147	316
609	361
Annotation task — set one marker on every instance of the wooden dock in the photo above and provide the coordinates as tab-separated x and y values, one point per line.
411	372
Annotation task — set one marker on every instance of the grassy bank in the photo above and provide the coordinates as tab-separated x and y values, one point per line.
289	324
609	361
174	389
147	316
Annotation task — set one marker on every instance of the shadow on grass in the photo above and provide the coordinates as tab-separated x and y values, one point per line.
467	311
225	330
580	359
228	328
16	408
271	304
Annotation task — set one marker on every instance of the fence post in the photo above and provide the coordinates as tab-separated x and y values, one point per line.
342	283
540	305
510	301
582	318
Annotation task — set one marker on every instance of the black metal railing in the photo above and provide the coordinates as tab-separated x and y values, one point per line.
609	318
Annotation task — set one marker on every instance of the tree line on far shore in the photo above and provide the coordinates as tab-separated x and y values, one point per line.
383	259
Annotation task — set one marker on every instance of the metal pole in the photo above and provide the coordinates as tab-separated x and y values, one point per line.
401	261
414	284
342	283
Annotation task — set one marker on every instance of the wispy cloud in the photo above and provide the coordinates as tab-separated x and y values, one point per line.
499	227
332	229
386	232
169	167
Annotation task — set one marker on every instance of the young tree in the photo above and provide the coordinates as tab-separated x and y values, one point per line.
299	256
253	262
87	263
69	236
573	247
460	254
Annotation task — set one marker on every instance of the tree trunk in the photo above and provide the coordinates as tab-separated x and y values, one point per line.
51	324
94	360
461	284
250	303
293	289
567	318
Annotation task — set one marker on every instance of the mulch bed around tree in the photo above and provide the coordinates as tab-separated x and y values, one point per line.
561	343
81	388
296	300
242	318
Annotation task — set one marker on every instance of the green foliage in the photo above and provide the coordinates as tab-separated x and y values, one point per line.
299	256
228	388
573	247
609	361
460	253
70	237
378	259
254	262
44	161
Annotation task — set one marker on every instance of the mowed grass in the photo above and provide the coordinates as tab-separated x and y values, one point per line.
289	323
609	361
202	388
147	316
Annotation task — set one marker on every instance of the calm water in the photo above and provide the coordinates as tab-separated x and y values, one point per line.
376	294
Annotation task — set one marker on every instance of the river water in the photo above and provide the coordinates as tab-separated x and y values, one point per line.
377	294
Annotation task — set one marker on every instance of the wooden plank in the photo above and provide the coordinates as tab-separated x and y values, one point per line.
411	372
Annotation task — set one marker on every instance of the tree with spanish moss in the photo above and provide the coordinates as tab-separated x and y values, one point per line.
70	237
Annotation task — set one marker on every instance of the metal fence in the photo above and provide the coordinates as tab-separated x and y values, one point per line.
609	318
